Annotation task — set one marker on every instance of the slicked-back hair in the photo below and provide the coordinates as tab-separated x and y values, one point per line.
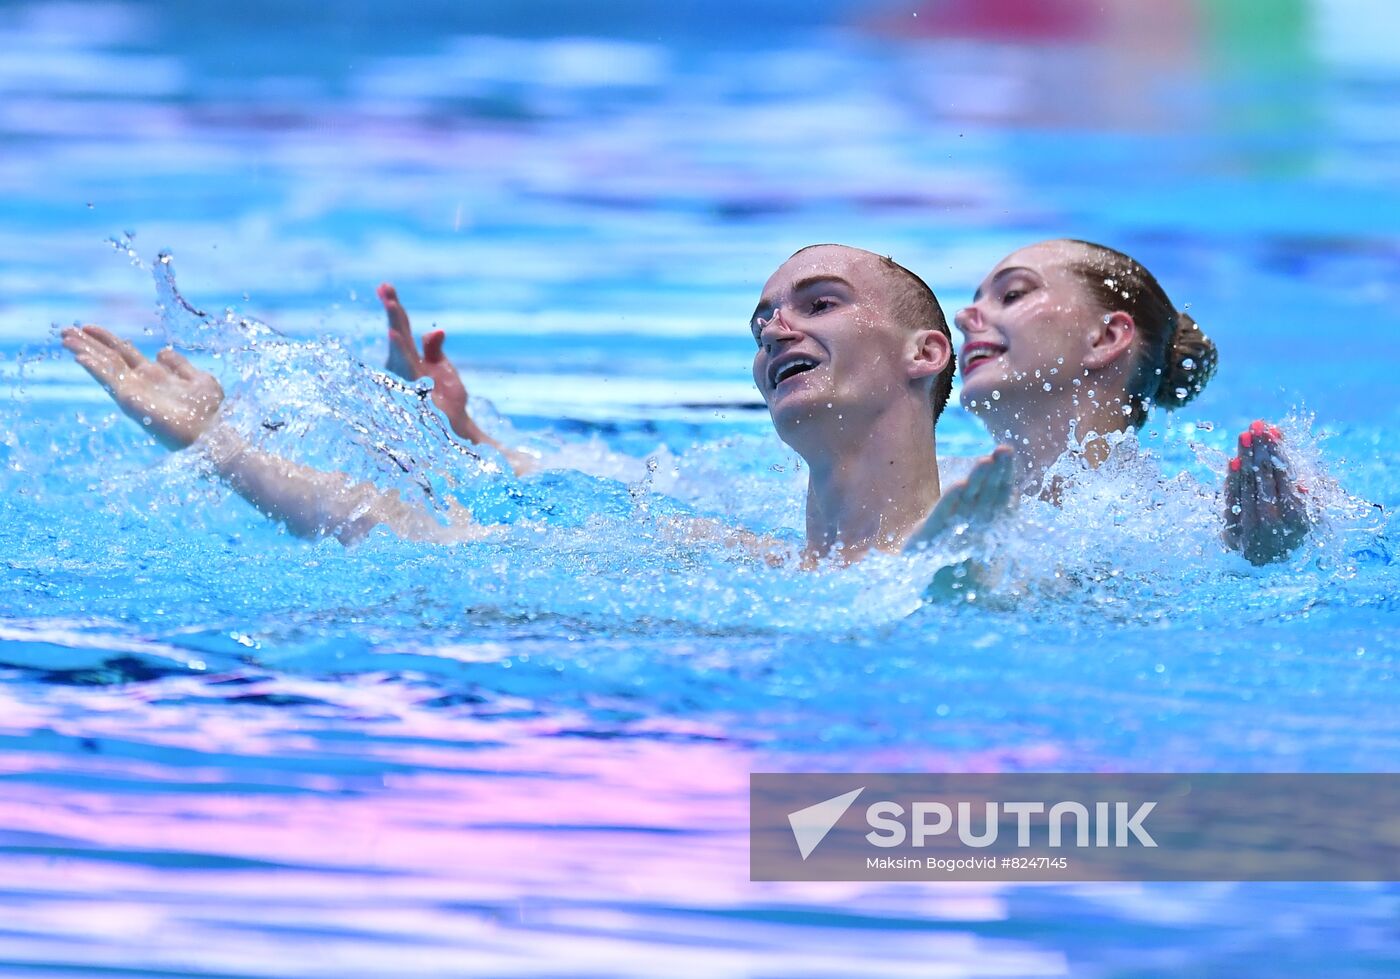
1176	358
915	306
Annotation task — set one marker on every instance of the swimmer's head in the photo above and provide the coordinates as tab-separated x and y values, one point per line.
843	335
1063	318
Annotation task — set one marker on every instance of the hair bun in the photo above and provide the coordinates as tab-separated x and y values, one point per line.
1190	362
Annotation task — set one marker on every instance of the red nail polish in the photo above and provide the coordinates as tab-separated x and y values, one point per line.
1258	427
1275	432
1246	439
1235	464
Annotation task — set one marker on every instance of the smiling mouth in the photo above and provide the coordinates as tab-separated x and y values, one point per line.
976	355
789	370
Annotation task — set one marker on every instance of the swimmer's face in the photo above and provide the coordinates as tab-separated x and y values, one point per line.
829	345
1028	331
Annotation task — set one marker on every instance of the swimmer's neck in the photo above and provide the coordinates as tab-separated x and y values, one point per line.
871	492
1041	436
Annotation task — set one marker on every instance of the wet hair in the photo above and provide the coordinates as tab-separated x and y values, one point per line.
1175	359
917	307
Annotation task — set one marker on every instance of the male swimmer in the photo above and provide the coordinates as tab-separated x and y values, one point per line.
850	345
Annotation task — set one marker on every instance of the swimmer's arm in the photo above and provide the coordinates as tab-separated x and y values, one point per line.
703	530
178	405
1266	516
449	393
973	504
311	503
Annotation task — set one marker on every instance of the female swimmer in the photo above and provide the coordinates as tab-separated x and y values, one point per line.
1068	341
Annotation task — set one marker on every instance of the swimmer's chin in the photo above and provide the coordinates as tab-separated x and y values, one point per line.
811	425
979	394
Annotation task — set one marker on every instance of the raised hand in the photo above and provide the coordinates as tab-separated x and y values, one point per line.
405	360
171	399
973	504
449	393
1266	517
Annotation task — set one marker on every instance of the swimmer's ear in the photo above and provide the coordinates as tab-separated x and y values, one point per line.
1112	338
932	351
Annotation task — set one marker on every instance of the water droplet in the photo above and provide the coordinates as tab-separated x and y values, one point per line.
1181	393
1188	364
146	420
996	395
1046	386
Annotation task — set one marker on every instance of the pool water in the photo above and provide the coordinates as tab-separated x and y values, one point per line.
229	752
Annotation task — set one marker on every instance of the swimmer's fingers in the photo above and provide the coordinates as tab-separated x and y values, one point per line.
1294	522
1287	489
403	359
1249	497
175	362
937	522
973	502
99	360
962	498
432	346
1002	483
1263	468
123	348
990	487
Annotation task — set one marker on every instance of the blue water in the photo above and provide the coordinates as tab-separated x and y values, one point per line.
229	752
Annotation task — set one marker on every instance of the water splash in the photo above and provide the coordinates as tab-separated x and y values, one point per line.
183	325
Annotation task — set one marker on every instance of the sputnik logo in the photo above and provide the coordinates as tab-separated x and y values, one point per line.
810	825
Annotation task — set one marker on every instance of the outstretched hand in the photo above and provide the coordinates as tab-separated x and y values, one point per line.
405	360
1266	517
169	397
972	504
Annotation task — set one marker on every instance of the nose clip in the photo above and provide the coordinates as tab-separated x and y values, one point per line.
773	317
763	324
